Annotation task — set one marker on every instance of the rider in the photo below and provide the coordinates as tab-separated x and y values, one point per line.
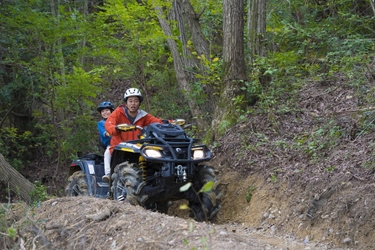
105	109
128	113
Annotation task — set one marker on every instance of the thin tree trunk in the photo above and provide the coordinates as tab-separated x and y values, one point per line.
182	77
188	59
56	113
200	44
372	2
192	22
256	28
17	183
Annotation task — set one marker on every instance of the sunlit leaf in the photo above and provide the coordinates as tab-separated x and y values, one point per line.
191	226
207	187
185	187
12	232
184	207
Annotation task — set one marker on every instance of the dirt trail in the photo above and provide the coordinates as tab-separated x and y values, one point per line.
91	223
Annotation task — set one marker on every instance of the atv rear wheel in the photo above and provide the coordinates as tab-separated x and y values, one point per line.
209	204
77	184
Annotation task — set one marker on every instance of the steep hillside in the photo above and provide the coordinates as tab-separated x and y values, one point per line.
307	169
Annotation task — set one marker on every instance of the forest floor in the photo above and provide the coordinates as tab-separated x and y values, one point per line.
297	177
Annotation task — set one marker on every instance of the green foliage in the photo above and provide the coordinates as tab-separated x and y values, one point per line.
76	95
59	60
46	143
323	138
313	40
213	72
211	22
330	169
140	33
39	194
17	146
75	135
224	126
167	103
273	178
367	123
12	233
3	219
249	194
53	84
207	187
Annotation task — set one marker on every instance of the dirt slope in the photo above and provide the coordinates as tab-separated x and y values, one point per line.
311	167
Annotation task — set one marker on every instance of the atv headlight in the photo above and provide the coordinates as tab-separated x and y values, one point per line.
152	153
198	154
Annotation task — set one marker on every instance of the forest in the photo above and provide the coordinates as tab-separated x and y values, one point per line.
60	59
216	64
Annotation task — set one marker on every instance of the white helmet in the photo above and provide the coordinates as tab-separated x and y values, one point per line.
133	92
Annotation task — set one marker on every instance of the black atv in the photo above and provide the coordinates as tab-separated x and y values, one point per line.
150	171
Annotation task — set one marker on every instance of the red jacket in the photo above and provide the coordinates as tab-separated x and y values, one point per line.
119	116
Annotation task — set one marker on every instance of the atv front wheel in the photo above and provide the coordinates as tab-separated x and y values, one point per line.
126	179
118	184
209	205
77	184
127	183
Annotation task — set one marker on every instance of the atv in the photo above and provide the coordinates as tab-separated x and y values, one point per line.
152	172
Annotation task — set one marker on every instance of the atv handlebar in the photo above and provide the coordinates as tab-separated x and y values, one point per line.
124	127
178	122
127	127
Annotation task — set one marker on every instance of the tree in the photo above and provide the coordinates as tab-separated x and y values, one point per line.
200	43
192	23
17	183
256	26
181	66
234	68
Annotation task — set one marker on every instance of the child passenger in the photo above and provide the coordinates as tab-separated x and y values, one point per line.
105	109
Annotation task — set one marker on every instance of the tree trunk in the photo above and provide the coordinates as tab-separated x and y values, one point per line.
181	75
200	44
187	58
256	36
233	44
18	184
234	67
372	3
256	29
192	23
